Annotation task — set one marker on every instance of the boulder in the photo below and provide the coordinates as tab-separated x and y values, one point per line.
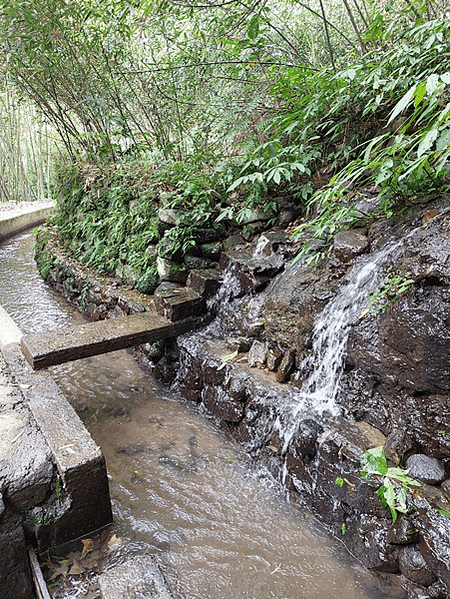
425	469
349	244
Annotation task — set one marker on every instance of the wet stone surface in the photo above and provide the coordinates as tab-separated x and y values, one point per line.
137	578
426	469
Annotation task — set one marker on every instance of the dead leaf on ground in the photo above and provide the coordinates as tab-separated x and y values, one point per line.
76	569
61	570
114	540
88	545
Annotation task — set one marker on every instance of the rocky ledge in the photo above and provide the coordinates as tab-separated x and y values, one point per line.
249	365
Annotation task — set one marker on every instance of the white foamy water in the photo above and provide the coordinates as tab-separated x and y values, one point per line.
330	336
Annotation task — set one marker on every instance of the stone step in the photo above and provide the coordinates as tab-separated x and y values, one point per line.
62	345
179	303
205	282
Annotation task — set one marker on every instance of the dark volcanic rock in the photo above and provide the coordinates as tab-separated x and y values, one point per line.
349	244
427	470
434	545
397	445
413	565
402	531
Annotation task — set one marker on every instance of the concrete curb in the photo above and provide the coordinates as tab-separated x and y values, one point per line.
11	224
61	452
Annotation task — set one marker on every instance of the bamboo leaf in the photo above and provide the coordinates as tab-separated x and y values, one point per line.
402	104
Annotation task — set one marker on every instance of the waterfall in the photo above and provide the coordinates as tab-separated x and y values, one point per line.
330	336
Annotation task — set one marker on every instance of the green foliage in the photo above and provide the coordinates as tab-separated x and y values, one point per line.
393	287
339	482
396	482
115	215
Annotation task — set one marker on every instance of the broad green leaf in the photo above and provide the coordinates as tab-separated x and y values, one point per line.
374	461
420	93
390	497
427	142
443	140
402	476
402	104
432	83
401	501
272	150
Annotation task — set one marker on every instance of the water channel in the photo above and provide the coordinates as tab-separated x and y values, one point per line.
220	526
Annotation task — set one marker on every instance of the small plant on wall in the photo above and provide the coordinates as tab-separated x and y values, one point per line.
396	482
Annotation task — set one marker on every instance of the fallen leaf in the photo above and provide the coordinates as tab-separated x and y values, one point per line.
60	571
76	569
114	540
88	545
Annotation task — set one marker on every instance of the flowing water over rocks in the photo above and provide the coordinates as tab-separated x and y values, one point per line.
181	490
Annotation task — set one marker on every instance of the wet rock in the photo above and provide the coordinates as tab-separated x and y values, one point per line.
258	354
180	303
170	271
434	544
211	251
413	565
218	402
193	380
274	357
137	578
165	371
237	388
26	462
15	574
239	344
366	538
290	306
397	445
167	286
192	395
253	273
286	366
271	242
169	216
446	489
257	214
403	531
437	591
414	591
425	469
308	431
349	244
196	262
233	242
204	282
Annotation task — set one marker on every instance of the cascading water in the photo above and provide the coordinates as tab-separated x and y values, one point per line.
330	334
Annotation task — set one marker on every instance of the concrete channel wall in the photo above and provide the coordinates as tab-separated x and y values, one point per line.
53	479
20	219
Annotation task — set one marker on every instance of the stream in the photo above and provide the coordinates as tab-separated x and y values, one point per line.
220	526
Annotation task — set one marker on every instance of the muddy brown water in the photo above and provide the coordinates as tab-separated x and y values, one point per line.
220	525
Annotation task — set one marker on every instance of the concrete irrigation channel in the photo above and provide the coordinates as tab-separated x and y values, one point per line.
53	480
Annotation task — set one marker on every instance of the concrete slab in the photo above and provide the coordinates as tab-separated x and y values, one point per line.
58	346
137	578
9	331
80	462
25	218
26	467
